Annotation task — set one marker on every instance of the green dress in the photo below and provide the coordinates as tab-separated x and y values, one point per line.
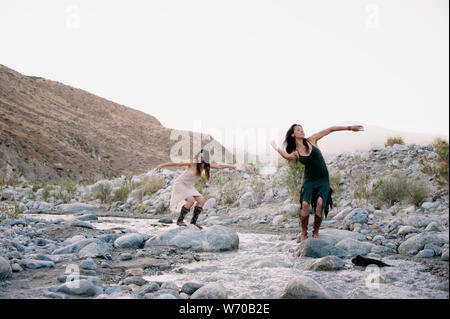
316	181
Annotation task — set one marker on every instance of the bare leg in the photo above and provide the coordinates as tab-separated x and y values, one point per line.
304	219
317	218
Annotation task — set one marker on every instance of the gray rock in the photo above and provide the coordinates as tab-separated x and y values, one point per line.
76	246
135	280
95	249
342	214
76	207
328	263
356	216
5	269
165	294
318	248
354	247
166	220
437	250
292	209
16	268
35	264
191	287
125	256
212	290
434	226
426	253
419	221
405	230
214	238
247	200
210	204
419	241
78	223
88	264
429	205
444	253
132	240
87	217
148	288
82	287
302	287
170	285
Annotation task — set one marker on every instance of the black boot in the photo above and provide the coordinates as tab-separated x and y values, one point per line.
197	211
183	213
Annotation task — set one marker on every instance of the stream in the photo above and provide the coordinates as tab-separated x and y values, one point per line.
264	264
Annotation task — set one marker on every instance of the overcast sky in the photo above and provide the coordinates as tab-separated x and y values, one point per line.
241	63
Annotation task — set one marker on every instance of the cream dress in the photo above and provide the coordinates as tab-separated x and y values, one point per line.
182	188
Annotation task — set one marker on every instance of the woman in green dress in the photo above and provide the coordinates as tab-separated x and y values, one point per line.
316	189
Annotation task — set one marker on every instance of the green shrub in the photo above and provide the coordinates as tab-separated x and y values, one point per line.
362	190
153	184
390	189
45	195
122	193
394	140
294	180
440	170
417	191
229	190
69	186
103	192
257	187
335	182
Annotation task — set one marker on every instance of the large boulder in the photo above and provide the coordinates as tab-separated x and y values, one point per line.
302	287
214	238
418	242
210	204
95	249
419	221
213	290
5	269
131	240
328	263
76	245
356	216
76	207
82	287
318	248
355	247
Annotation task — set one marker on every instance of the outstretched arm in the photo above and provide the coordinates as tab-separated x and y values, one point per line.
172	164
220	166
315	137
284	154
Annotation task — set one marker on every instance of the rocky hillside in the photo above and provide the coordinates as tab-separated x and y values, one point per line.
49	130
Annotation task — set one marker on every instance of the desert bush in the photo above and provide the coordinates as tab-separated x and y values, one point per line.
45	195
440	170
229	190
362	189
122	193
394	140
153	184
258	186
294	180
8	210
335	182
70	186
103	192
390	189
417	191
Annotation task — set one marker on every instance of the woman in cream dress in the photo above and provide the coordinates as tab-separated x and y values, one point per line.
184	193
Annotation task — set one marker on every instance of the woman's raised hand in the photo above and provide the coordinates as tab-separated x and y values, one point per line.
159	167
356	128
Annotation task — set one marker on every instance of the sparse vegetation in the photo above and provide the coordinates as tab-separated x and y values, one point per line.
257	185
8	210
417	191
440	170
362	191
335	182
294	180
45	195
122	193
394	140
228	187
103	192
153	184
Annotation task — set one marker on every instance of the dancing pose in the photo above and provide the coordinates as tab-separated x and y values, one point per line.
184	194
316	183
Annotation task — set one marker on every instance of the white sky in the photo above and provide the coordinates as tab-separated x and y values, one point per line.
241	63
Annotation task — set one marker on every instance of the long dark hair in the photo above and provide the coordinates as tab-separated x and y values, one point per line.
289	140
200	166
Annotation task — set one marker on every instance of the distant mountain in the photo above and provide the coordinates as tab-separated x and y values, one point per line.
49	131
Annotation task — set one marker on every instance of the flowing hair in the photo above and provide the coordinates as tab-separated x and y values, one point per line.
289	140
205	165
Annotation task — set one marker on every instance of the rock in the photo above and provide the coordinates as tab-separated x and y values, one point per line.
356	216
429	205
247	200
405	230
354	247
16	268
139	272
292	209
318	248
302	287
190	287
210	204
88	264
148	288
165	294
35	264
82	287
87	217
419	241
78	223
135	280
170	285
214	238
125	256
426	253
131	240
327	263
437	250
341	215
166	220
277	220
212	290
76	246
444	254
95	249
419	221
76	207
434	226
5	269
394	225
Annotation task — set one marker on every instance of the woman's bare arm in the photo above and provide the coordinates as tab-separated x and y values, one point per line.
173	164
284	154
317	136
